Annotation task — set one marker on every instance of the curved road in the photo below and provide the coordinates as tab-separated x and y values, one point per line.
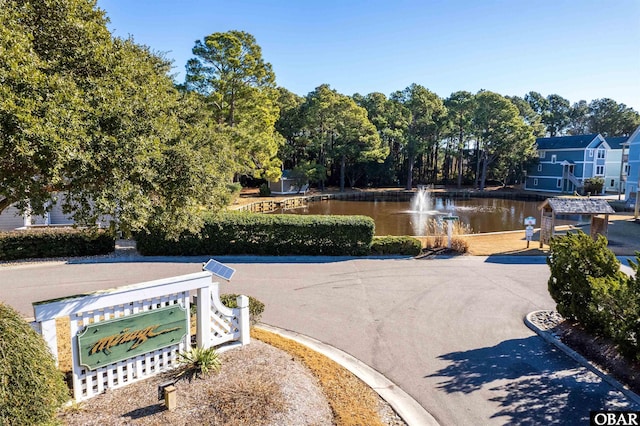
449	332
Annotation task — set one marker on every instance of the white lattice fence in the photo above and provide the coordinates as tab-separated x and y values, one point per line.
228	324
94	310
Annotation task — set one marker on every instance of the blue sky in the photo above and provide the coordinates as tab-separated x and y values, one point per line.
579	49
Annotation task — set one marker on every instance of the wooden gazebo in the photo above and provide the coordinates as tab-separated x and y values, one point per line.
598	209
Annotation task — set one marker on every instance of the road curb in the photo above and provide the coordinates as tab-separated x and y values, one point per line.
553	340
403	404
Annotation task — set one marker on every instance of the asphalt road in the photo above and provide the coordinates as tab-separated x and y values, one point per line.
449	332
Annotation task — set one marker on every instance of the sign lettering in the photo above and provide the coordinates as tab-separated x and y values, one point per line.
111	341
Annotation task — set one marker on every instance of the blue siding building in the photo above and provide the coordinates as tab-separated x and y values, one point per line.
565	162
633	179
617	164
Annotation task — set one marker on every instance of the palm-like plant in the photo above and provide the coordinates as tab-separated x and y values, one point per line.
198	362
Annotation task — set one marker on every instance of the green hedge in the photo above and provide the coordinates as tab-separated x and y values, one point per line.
262	234
396	245
54	242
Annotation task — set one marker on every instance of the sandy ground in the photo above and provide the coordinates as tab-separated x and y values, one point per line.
623	234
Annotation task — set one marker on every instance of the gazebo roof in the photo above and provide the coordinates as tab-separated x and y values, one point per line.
576	206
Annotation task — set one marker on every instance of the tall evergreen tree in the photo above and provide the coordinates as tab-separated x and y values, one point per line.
461	107
609	118
579	118
228	70
391	119
427	111
503	136
340	131
556	118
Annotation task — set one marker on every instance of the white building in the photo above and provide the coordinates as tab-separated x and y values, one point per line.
11	218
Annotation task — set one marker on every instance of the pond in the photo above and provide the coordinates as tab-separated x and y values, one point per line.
410	218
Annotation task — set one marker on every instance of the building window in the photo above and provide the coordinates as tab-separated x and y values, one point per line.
535	182
559	183
539	167
613	183
541	154
599	170
590	153
626	169
553	159
601	153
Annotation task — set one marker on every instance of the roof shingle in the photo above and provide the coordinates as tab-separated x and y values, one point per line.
577	206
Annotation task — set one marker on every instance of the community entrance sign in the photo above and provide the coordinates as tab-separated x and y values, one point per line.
108	342
126	334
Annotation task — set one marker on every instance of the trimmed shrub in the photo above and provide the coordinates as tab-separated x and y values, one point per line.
264	190
589	288
593	185
616	303
256	307
574	259
54	242
31	387
396	245
262	234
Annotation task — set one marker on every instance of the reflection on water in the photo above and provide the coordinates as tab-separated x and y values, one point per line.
399	218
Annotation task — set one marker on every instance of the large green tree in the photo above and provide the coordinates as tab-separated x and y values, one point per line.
579	118
556	118
357	140
290	125
391	119
427	115
609	118
505	140
460	107
529	116
239	86
50	51
340	132
98	120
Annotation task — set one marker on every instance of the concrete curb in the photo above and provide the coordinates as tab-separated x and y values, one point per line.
403	404
553	340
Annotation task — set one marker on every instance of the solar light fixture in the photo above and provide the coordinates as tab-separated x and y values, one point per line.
219	269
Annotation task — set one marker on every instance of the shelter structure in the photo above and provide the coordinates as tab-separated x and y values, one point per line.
288	184
598	209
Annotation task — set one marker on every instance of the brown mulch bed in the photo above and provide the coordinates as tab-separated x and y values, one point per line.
257	384
601	352
272	381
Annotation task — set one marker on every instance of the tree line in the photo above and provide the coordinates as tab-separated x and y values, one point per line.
463	139
101	120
